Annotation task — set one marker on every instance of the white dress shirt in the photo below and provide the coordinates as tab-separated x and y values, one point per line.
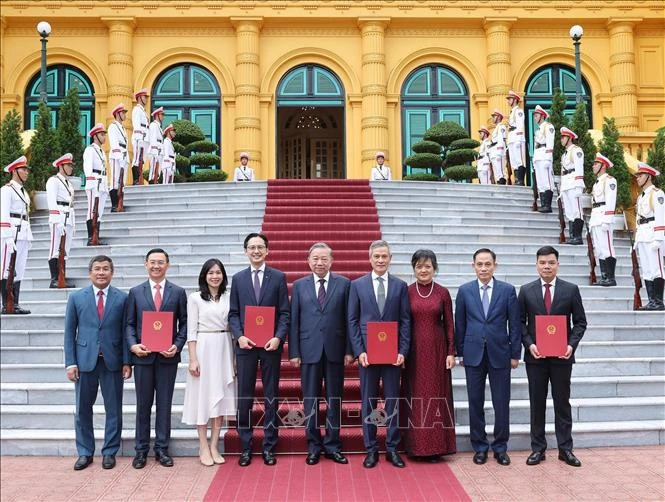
490	289
317	284
375	284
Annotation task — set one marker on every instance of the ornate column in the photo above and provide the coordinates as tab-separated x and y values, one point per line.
3	25
121	63
374	121
623	76
247	124
499	72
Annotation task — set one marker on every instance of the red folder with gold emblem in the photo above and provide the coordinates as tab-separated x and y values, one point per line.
259	324
382	342
552	335
157	330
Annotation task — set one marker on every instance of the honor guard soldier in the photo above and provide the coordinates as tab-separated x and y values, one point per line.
155	138
516	138
118	153
139	135
60	196
601	224
498	147
168	156
96	187
483	164
243	172
380	171
572	184
15	233
543	148
650	235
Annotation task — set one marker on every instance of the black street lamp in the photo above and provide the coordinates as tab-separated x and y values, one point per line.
576	33
44	30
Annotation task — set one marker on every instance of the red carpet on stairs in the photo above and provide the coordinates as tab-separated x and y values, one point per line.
299	213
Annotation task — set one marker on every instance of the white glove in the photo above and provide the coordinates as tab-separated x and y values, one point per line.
59	227
655	245
605	227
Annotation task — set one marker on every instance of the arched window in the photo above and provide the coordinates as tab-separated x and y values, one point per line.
190	92
431	94
59	80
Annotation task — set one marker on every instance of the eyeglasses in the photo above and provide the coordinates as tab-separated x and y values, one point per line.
256	248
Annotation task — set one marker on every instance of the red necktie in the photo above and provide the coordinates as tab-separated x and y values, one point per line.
548	298
158	297
100	304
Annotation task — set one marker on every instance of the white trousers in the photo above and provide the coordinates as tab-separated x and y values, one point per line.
603	241
139	147
484	177
544	174
516	154
91	194
22	247
497	167
154	167
651	261
571	203
54	249
116	166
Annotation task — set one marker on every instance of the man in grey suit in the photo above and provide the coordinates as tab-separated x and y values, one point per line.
96	356
155	373
318	345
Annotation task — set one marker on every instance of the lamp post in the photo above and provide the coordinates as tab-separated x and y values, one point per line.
576	33
44	30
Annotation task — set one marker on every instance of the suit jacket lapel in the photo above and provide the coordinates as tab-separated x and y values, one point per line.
90	293
148	295
558	294
332	284
540	299
264	284
167	292
495	298
110	299
311	291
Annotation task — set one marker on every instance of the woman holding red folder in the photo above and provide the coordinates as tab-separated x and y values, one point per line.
210	391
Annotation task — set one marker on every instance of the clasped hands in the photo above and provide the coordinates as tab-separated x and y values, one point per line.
537	355
141	350
247	344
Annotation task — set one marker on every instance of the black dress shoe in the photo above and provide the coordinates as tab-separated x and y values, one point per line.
336	457
82	462
480	457
371	460
269	458
502	458
164	459
108	462
312	458
535	458
245	459
394	458
568	457
139	460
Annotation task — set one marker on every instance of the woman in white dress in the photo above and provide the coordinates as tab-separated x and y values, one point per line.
210	391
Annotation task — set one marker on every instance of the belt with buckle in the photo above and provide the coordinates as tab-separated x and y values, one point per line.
644	221
540	145
25	216
566	171
598	204
62	203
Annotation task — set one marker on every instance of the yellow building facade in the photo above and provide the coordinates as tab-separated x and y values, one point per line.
315	88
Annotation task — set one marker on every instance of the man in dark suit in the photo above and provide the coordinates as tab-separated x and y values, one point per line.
550	295
487	336
96	356
263	286
379	296
155	373
318	343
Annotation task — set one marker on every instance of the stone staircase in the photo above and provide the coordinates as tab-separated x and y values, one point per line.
618	385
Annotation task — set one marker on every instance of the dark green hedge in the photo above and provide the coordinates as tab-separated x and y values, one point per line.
422	177
427	147
460	173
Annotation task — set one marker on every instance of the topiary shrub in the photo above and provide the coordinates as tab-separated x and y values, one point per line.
424	160
182	164
427	147
204	160
458	157
193	146
187	132
202	147
178	147
445	133
422	177
208	175
461	173
466	143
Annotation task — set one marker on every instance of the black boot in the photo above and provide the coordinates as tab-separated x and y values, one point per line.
88	224
17	292
136	179
576	232
648	285
610	267
502	181
53	268
114	200
519	176
658	284
603	274
547	202
3	289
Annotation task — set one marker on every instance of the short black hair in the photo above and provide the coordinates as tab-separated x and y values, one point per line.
99	259
252	235
157	250
203	283
545	250
484	250
424	254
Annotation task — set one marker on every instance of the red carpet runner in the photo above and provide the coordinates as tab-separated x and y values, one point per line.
299	213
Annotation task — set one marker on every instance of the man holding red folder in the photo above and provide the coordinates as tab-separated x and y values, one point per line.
550	297
380	297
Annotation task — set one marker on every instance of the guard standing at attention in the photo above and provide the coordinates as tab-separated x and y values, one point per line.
572	184
60	196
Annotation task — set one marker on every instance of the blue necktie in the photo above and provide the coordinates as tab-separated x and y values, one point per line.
486	298
380	295
322	292
257	286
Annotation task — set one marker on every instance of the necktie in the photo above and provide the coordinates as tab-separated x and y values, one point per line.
100	304
257	286
548	298
381	295
158	297
486	299
322	292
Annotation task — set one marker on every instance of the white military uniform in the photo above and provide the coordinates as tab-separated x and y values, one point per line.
117	153
381	173
155	138
94	167
168	161
516	138
140	123
601	224
497	151
483	163
60	195
243	173
542	156
14	215
572	181
650	233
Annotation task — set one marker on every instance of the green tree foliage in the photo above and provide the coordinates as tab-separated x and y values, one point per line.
193	149
43	150
558	120
656	157
440	140
613	150
11	145
68	136
461	173
580	126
